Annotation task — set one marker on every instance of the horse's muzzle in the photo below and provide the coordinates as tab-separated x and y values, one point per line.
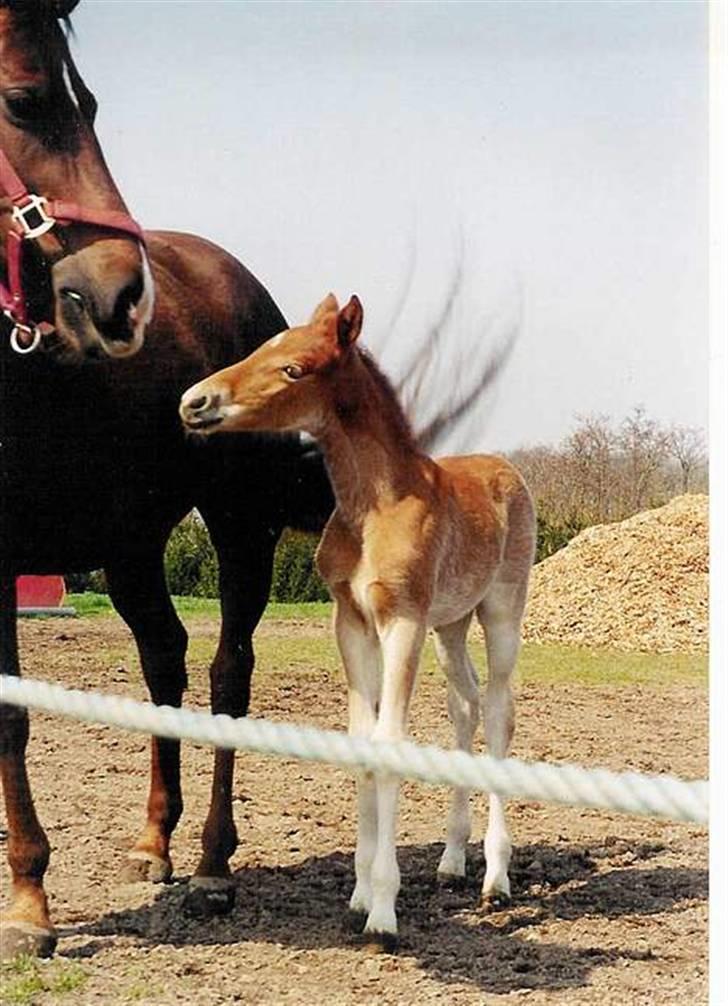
104	297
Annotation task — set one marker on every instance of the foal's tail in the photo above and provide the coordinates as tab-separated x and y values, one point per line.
520	543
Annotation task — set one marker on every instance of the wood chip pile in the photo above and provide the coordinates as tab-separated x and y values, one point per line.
640	584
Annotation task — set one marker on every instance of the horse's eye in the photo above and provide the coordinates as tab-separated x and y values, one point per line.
24	105
293	371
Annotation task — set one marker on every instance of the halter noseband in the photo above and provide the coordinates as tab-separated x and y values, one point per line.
33	216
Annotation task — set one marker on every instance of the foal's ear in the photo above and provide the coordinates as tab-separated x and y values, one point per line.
348	324
328	306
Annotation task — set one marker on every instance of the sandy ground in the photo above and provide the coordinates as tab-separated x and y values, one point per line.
607	909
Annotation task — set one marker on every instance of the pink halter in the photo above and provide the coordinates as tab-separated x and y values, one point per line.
32	217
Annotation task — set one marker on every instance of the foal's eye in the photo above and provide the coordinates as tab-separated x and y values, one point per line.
293	371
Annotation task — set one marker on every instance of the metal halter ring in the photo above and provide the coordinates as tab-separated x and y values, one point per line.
25	338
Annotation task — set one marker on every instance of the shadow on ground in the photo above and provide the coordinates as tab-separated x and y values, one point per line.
442	930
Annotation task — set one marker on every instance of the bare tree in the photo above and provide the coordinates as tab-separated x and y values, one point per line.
590	451
644	447
686	444
605	472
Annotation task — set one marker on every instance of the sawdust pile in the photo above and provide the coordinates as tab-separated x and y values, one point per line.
640	584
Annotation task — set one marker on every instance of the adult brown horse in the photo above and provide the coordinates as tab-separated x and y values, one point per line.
101	473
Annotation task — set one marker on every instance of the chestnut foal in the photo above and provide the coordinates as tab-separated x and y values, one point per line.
412	543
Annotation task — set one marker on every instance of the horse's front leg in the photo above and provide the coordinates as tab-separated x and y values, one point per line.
401	640
25	927
139	593
245	577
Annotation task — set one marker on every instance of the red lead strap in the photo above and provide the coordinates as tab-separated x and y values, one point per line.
33	216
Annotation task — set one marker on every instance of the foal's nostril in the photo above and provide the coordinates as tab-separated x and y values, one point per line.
198	404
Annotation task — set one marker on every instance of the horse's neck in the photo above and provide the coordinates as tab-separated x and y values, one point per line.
370	463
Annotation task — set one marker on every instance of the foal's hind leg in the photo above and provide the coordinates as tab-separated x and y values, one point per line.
500	615
245	550
463	702
139	593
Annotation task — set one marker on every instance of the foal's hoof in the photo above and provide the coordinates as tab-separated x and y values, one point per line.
494	901
144	866
209	896
451	881
354	922
25	938
380	943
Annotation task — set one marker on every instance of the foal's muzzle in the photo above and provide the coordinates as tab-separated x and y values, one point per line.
200	410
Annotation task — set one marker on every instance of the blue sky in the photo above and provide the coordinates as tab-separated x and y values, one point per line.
562	147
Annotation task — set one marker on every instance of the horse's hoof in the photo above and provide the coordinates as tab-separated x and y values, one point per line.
25	938
380	943
144	867
494	901
355	921
209	896
451	881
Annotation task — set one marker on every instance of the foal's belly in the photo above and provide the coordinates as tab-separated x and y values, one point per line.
455	597
457	601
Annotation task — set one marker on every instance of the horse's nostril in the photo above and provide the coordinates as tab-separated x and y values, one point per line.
73	295
198	404
117	325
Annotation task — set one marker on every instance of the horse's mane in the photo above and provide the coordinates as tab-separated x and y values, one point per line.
43	20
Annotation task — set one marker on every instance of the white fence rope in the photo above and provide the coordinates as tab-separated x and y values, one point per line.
629	792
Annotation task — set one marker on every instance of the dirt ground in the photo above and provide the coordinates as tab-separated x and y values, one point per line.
607	909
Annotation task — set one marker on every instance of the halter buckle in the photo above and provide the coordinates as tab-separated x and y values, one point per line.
23	338
32	217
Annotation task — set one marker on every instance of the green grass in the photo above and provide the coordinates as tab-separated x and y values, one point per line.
24	978
547	663
99	604
539	663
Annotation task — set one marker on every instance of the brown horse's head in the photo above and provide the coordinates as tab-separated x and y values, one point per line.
285	384
90	281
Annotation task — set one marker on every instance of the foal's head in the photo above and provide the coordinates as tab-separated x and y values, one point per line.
283	385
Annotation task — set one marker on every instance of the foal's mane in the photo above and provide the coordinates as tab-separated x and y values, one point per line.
387	401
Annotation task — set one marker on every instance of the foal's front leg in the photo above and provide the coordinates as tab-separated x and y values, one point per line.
359	648
401	640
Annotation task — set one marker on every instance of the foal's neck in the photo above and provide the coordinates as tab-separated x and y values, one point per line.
370	450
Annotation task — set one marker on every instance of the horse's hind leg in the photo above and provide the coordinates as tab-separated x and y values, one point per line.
139	593
26	927
500	615
245	550
463	703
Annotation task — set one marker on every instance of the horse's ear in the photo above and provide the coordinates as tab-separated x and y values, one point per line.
329	306
62	8
349	321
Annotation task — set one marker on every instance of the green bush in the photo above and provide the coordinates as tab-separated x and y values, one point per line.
551	534
190	562
294	572
191	565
